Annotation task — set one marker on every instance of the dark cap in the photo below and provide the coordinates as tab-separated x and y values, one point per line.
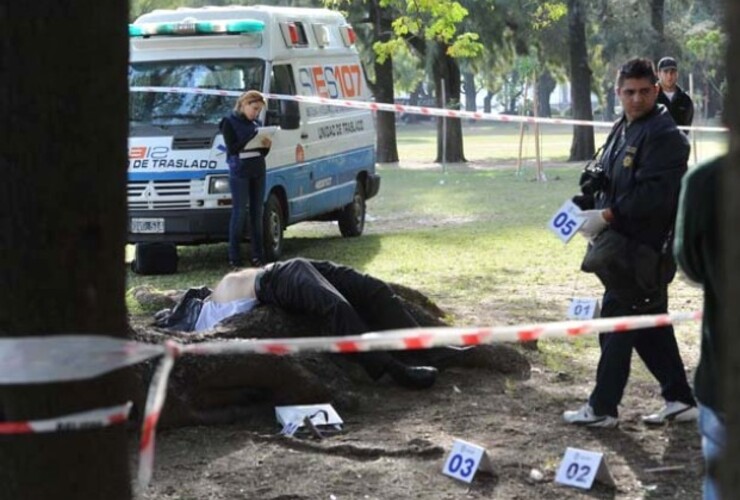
667	63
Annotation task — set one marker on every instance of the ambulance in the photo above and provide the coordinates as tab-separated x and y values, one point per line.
322	162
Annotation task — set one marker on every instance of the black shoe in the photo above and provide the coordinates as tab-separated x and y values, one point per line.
236	263
256	262
413	377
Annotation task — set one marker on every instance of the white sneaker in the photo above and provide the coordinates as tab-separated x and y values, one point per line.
585	416
673	411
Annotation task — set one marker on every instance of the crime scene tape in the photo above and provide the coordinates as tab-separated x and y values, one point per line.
111	354
57	358
92	419
402	108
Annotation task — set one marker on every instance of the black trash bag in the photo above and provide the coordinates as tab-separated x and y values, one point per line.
183	316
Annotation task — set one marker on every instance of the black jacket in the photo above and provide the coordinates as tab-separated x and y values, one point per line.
681	107
643	163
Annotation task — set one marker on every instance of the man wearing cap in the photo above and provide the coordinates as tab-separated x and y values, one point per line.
677	101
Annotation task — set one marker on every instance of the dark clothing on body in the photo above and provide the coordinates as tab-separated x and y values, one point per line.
643	164
681	107
697	253
351	302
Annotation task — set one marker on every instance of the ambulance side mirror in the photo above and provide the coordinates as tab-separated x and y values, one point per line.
290	115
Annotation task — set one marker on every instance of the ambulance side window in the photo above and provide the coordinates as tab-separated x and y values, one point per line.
282	112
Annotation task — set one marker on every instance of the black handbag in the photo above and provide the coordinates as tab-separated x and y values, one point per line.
628	266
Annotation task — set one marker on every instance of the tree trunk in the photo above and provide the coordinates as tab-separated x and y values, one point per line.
545	86
657	9
470	92
730	468
582	147
387	150
487	102
446	69
63	95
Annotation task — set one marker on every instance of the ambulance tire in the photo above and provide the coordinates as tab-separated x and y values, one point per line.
154	258
352	216
273	225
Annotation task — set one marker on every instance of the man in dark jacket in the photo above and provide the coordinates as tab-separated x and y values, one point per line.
672	96
697	252
635	200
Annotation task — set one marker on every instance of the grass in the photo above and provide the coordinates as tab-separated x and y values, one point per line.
473	239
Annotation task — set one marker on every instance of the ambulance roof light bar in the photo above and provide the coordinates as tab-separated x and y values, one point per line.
191	27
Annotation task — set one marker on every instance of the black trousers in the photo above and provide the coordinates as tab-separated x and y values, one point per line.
351	302
656	347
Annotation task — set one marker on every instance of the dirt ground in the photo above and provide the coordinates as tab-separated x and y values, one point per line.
394	445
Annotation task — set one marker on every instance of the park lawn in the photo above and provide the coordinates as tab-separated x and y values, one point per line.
471	237
431	230
486	141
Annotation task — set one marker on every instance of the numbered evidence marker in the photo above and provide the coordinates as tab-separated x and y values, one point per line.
323	416
465	459
580	468
583	308
566	221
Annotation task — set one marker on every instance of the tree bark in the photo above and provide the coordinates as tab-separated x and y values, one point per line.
545	86
470	91
657	10
387	150
582	147
730	467
63	93
445	69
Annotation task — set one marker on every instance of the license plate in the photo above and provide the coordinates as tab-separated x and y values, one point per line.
139	225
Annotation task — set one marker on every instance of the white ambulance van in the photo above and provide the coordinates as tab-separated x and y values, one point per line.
322	162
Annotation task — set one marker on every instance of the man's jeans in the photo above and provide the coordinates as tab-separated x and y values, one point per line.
713	435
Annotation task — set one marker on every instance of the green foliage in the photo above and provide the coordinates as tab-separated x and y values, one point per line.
429	20
548	13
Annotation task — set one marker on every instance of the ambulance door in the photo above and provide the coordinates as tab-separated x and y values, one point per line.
287	169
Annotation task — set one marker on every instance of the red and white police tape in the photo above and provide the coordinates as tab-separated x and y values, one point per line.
77	357
92	419
402	108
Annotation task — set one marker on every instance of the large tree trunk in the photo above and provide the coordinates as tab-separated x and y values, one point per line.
387	150
545	85
63	96
657	9
446	69
731	258
582	147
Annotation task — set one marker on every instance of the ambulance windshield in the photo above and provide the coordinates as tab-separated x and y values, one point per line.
165	109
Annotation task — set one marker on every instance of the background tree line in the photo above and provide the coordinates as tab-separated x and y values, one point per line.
501	47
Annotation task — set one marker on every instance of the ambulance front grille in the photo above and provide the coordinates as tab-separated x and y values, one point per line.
162	195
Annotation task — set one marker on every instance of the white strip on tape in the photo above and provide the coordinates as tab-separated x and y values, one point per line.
62	358
402	108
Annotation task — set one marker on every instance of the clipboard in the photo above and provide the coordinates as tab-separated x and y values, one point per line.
256	142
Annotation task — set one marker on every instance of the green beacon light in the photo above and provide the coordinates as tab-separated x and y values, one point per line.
191	27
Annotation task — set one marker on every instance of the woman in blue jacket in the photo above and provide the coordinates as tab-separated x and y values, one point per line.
246	175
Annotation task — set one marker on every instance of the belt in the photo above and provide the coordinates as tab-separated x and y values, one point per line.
248	154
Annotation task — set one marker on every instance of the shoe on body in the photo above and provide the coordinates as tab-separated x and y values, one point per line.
412	377
673	411
586	417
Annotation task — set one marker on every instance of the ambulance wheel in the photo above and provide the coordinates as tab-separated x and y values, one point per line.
154	258
352	216
273	226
